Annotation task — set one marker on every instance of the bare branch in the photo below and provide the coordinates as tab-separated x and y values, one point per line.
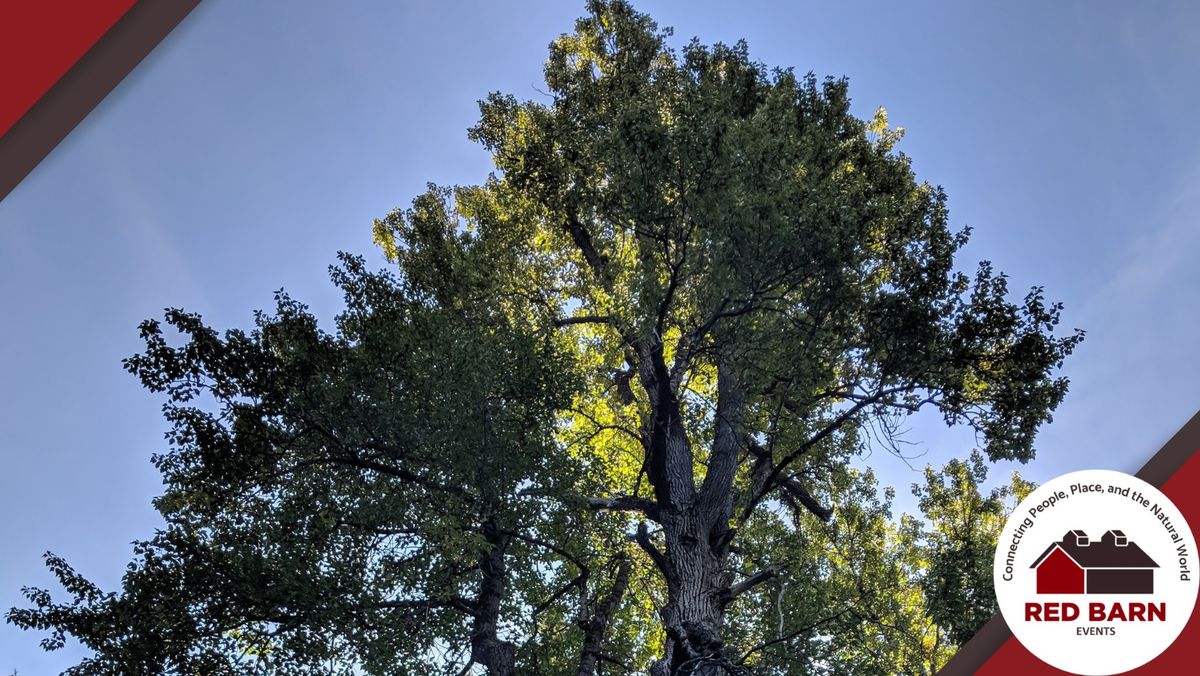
548	545
393	471
834	425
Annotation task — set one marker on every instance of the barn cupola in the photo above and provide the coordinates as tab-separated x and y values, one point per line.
1116	538
1077	538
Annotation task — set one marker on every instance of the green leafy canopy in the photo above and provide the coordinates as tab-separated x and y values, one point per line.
601	417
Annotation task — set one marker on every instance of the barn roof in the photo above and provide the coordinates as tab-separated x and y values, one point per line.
1101	554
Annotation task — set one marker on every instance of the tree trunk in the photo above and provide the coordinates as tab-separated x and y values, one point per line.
696	588
695	522
500	657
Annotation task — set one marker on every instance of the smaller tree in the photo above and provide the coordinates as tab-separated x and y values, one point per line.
958	538
844	601
358	500
868	592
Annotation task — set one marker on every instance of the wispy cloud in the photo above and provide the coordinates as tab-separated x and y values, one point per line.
145	227
1133	378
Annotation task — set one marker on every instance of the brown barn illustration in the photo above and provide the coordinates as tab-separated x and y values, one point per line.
1080	565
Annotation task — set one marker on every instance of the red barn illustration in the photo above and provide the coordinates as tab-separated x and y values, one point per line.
1080	565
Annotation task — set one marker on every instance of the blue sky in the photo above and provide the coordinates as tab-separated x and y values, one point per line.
260	138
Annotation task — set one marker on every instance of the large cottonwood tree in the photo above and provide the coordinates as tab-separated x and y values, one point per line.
770	273
609	399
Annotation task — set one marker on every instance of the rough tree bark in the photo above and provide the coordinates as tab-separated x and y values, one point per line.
695	522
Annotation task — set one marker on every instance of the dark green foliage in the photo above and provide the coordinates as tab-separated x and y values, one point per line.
961	526
327	495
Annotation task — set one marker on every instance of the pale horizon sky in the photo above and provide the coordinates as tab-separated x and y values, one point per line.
261	138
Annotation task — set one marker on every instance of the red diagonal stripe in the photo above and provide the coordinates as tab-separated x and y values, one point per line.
39	42
85	71
1180	658
1175	469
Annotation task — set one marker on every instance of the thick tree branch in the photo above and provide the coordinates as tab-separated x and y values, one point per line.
642	538
716	493
625	503
583	242
795	495
582	319
487	648
750	583
669	464
771	478
664	306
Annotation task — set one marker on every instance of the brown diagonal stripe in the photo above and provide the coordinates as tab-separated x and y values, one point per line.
85	85
1156	471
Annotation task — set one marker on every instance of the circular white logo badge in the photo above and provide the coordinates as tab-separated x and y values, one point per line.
1095	572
